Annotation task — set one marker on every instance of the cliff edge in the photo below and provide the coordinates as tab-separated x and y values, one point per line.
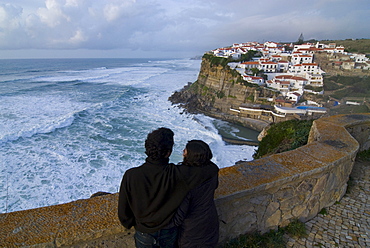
217	89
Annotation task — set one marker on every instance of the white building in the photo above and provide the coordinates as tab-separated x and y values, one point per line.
283	66
269	66
293	96
254	80
305	68
359	58
301	58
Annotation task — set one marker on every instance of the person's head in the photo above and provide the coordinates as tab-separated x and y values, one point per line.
197	153
159	143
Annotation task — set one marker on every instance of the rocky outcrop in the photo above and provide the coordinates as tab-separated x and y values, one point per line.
217	89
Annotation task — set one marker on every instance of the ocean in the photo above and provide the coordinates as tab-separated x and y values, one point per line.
72	127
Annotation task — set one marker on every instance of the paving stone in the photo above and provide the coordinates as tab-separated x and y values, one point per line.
347	224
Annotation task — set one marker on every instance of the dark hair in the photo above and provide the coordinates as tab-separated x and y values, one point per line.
159	143
198	153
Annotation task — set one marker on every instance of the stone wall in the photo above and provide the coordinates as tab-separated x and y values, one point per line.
258	195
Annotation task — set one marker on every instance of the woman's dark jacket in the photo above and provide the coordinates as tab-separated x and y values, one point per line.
197	217
151	193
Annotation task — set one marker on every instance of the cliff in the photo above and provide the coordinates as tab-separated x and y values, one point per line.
217	89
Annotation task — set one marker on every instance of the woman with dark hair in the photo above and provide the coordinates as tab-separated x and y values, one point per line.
197	216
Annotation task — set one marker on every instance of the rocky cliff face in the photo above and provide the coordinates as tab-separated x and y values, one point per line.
217	89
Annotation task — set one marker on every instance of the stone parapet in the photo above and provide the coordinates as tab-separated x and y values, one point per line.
252	196
63	225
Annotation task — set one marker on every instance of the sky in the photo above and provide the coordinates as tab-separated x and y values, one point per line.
168	28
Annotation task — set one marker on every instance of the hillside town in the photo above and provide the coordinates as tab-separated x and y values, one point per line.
289	69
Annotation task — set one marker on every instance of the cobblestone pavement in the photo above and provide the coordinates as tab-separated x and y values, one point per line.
346	223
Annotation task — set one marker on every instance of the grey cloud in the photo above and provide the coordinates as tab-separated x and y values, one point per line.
169	25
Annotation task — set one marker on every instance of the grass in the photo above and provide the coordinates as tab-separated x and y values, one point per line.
271	239
354	46
349	109
216	61
296	228
347	86
284	136
323	211
363	156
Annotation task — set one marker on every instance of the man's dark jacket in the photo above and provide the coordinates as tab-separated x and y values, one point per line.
151	193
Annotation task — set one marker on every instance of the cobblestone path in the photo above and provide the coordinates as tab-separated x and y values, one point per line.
346	223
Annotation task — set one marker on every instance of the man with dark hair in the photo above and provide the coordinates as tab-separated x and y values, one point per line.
151	193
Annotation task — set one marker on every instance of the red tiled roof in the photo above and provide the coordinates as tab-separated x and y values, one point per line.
269	62
291	77
251	63
310	64
253	77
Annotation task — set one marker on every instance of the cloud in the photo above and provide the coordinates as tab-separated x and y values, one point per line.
178	26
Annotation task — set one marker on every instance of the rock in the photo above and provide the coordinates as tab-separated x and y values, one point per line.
100	193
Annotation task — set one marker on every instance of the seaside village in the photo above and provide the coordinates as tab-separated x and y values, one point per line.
290	70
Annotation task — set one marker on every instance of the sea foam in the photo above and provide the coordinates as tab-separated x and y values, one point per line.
66	134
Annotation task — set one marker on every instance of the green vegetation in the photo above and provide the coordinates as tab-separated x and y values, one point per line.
345	86
248	56
223	61
353	46
250	98
256	71
239	80
204	90
296	228
216	61
271	239
363	155
349	109
247	84
220	94
284	136
315	89
330	85
323	211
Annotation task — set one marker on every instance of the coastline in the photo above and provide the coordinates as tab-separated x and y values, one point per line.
240	141
252	124
190	104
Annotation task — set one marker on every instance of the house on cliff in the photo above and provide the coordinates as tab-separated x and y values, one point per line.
305	68
301	58
287	83
290	71
254	80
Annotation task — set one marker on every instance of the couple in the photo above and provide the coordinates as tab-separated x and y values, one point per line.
171	205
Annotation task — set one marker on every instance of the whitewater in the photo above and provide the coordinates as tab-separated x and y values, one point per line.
72	127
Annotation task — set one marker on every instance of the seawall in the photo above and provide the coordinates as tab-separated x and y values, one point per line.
252	196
